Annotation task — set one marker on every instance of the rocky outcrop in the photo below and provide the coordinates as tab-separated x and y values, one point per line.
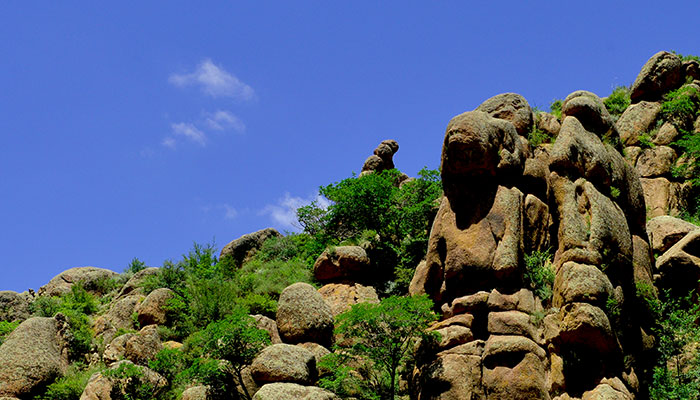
511	107
665	231
342	263
588	205
133	285
90	277
118	316
303	316
285	391
270	326
100	387
661	73
244	248
341	296
33	355
679	266
153	309
637	119
382	159
14	306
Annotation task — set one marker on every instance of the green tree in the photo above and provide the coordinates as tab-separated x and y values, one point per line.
384	335
237	340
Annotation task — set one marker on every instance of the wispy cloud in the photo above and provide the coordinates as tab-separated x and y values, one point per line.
284	212
228	211
190	132
169	142
214	81
224	120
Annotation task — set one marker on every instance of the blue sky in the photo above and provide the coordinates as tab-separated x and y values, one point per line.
134	129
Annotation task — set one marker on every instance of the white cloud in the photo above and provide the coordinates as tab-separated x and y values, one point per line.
190	132
168	142
284	213
223	120
214	81
228	211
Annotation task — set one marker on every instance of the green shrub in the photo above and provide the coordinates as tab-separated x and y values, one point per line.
45	306
6	328
618	101
555	108
537	136
381	337
72	384
687	57
135	266
539	273
679	106
129	383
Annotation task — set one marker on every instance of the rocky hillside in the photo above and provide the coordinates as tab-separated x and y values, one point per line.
554	256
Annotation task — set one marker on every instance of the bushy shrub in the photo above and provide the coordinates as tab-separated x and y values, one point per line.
679	106
539	273
555	108
381	338
72	384
6	328
618	101
135	266
128	383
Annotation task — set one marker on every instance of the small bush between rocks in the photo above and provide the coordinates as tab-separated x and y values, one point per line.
72	384
6	328
539	273
618	101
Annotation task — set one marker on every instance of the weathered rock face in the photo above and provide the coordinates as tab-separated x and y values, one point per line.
284	363
32	356
100	387
153	309
303	316
589	207
341	296
343	263
659	75
679	266
637	119
90	277
665	231
284	391
511	107
382	159
14	306
245	247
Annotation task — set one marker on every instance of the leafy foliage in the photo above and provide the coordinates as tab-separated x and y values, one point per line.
555	108
677	373
680	105
6	328
381	338
618	101
539	273
135	266
129	383
392	220
72	384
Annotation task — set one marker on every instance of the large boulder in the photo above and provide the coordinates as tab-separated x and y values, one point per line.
511	107
664	231
14	306
270	326
589	109
303	315
665	197
284	363
342	263
656	161
92	278
288	391
153	310
581	283
341	296
135	283
548	124
679	266
118	316
33	355
244	248
143	347
661	73
514	368
637	119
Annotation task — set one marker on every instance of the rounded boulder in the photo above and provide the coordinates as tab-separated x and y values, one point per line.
303	315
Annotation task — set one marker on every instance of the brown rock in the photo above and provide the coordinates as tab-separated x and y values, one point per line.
679	266
100	387
284	363
116	348
637	119
118	316
342	263
522	300
631	154
341	296
656	161
581	283
133	285
661	73
196	393
666	134
32	356
153	310
513	368
590	111
319	352
548	123
14	306
452	377
471	303
269	325
691	69
642	261
663	197
586	325
513	323
303	316
454	335
665	231
536	224
511	107
284	391
382	159
245	247
90	277
143	347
